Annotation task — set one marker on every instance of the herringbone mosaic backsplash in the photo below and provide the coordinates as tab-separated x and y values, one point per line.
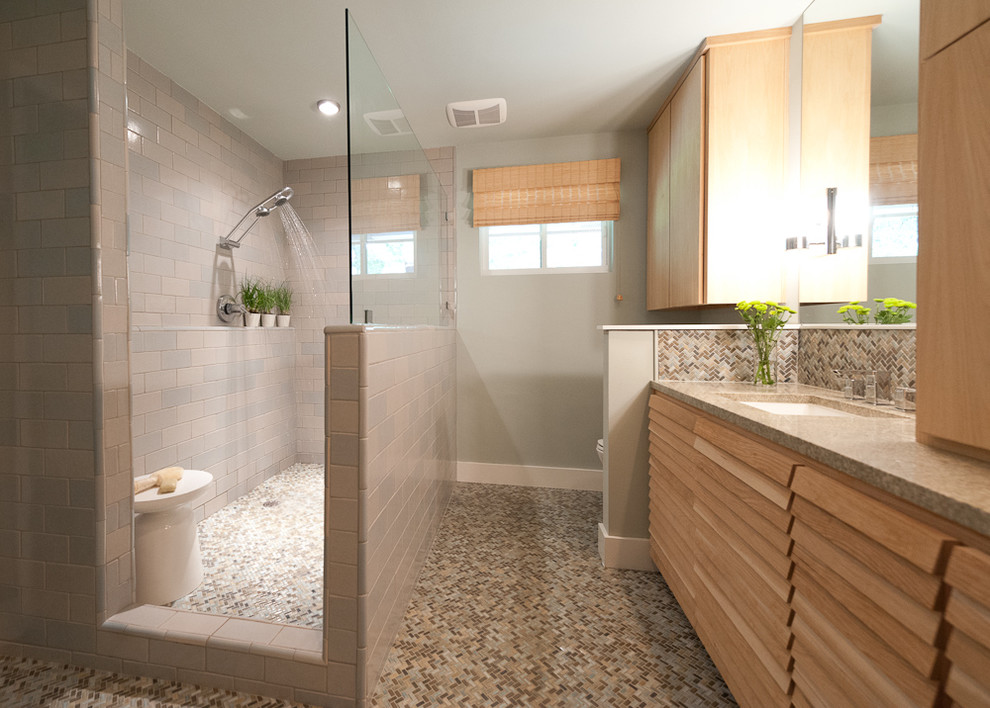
720	355
805	356
823	350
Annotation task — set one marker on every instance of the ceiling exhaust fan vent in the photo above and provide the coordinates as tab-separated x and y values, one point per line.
476	114
388	123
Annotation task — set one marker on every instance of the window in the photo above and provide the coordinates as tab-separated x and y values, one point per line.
894	233
390	254
581	247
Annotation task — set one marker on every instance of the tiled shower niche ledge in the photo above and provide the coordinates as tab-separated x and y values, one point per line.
247	636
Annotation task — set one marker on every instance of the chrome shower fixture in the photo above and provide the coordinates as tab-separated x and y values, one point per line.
263	208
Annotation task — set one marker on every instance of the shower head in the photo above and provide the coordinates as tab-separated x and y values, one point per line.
263	208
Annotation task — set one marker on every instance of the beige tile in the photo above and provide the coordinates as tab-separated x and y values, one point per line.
247	631
144	616
178	655
193	623
236	664
299	638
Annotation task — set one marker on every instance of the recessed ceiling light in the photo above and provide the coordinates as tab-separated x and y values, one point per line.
328	107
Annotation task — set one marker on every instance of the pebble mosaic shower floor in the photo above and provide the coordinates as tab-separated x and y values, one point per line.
263	553
513	608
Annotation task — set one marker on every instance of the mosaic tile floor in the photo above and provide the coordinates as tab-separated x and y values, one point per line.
278	524
26	683
513	608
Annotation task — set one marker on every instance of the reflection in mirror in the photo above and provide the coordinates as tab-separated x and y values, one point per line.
890	237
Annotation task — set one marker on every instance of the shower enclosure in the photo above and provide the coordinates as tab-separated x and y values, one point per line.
401	220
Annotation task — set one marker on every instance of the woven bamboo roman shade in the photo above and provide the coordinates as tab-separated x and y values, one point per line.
894	170
547	194
384	204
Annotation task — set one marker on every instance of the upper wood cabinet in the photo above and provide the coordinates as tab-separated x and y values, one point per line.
954	241
835	152
717	176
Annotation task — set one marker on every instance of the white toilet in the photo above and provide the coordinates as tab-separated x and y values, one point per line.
166	548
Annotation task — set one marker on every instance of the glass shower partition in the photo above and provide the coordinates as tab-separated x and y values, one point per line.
400	238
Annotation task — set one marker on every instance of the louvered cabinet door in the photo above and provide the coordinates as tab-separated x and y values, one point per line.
866	599
968	615
736	558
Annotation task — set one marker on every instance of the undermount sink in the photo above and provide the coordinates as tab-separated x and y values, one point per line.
785	408
811	405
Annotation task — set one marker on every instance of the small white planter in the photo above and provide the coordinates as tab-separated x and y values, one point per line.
268	320
252	319
282	320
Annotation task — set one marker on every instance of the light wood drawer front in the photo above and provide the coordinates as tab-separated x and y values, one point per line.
968	614
919	653
706	486
751	683
913	540
811	600
750	450
770	499
819	647
808	545
922	587
969	570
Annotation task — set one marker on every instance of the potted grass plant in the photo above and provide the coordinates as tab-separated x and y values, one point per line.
283	302
250	294
266	304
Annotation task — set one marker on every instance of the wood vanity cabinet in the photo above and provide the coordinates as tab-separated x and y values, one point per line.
807	587
968	615
719	522
717	175
866	597
954	227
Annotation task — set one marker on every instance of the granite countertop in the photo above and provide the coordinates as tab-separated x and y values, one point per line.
877	446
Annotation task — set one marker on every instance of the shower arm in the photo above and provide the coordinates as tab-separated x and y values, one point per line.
258	210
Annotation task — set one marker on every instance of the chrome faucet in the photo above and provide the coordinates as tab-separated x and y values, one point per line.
872	385
229	309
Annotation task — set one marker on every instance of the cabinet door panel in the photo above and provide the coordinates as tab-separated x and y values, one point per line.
746	163
954	248
920	586
919	543
687	189
809	593
658	215
944	22
968	614
915	650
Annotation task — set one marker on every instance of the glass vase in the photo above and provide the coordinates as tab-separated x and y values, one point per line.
765	369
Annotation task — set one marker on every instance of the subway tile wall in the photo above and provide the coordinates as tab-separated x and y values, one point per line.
319	277
391	443
219	399
192	176
51	458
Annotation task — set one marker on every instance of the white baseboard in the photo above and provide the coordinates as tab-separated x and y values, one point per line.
624	553
530	476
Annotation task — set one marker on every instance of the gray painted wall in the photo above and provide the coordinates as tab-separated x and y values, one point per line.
530	354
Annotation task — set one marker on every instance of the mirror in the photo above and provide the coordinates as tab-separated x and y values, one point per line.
893	111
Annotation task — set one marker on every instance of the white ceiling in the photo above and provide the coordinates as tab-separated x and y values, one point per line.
565	66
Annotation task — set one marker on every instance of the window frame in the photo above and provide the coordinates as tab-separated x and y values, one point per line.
890	260
363	243
607	229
